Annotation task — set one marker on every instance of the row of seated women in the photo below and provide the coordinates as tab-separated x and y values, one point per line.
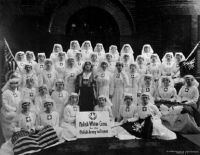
26	118
44	110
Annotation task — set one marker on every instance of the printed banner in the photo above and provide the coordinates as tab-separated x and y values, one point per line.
93	124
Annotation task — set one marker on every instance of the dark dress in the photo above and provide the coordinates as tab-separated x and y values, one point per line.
87	90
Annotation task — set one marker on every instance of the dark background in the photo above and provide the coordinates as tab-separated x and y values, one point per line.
167	25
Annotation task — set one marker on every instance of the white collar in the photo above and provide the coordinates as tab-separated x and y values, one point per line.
86	76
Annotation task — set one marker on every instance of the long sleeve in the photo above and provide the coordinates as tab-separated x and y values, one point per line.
57	120
195	96
112	82
5	103
125	79
67	116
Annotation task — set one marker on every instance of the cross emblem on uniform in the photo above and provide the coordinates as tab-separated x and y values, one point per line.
72	74
144	108
118	75
49	117
28	119
60	95
165	89
147	89
186	89
14	94
75	108
31	94
61	64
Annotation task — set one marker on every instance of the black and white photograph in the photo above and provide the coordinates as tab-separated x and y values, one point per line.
99	77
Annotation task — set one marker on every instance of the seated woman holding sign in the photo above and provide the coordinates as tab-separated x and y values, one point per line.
70	111
104	104
26	120
185	117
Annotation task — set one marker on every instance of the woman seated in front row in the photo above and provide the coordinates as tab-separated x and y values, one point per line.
147	123
69	118
185	117
166	91
104	104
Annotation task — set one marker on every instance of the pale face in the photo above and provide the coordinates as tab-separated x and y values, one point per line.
48	106
113	49
140	60
108	57
74	45
88	66
13	85
60	86
168	57
71	61
28	68
128	101
20	56
126	58
26	106
94	57
119	67
147	80
101	101
41	58
74	100
132	68
42	90
57	49
126	49
48	65
61	56
78	56
104	65
99	47
87	45
29	56
166	82
146	49
153	58
145	100
178	57
188	81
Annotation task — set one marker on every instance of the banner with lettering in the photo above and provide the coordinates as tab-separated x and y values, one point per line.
93	124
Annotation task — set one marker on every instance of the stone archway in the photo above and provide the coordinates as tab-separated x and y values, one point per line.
93	24
62	15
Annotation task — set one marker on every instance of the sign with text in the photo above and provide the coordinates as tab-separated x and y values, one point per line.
93	124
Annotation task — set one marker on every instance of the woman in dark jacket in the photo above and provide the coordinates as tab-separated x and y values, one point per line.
86	87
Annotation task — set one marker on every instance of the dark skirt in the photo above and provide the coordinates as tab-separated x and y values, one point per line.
87	99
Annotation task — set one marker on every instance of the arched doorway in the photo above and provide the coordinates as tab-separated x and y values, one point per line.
108	10
94	24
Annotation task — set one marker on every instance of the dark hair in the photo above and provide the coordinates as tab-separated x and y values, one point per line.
120	63
85	65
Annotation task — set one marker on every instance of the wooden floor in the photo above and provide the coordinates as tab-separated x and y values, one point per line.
130	147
